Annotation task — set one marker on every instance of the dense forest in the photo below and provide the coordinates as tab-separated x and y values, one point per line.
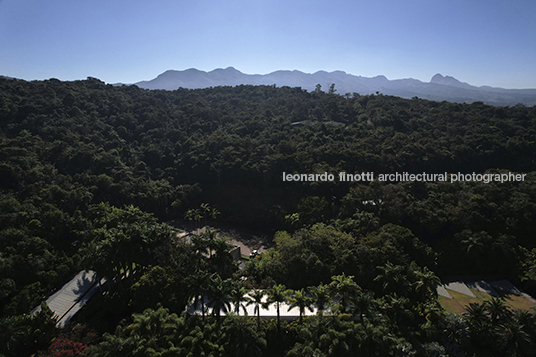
90	173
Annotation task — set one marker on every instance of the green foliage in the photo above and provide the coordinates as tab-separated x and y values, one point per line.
492	329
277	294
322	297
72	152
256	298
240	337
307	257
151	333
312	209
158	285
127	241
24	335
323	336
312	256
343	287
300	300
159	333
219	295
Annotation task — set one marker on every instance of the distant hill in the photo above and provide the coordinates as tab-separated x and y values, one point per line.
439	88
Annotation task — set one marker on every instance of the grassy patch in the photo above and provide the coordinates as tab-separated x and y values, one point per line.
517	302
450	305
462	299
481	296
459	301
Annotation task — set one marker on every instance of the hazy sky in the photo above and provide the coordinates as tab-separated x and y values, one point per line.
482	42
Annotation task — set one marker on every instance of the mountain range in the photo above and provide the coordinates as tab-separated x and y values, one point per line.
439	88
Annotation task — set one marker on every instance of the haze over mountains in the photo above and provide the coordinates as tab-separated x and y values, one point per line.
439	88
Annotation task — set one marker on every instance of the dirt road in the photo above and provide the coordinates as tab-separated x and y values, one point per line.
247	241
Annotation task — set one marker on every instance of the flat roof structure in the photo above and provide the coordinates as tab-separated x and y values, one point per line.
67	301
265	313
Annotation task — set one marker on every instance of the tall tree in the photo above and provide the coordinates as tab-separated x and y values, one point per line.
127	241
277	294
219	295
364	303
300	300
514	340
344	287
238	297
198	285
322	297
221	258
257	297
426	283
240	338
497	310
479	326
393	278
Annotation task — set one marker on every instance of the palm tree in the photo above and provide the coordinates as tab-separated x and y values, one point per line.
238	296
335	340
476	315
198	285
239	337
210	236
256	298
97	257
277	294
197	216
220	295
473	245
426	283
393	278
344	287
395	307
214	213
189	215
300	300
497	310
154	323
201	245
375	340
205	210
514	340
364	303
525	318
220	257
478	323
322	296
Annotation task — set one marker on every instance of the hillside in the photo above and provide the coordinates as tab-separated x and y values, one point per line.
439	88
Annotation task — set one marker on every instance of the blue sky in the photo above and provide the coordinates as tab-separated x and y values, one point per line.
482	42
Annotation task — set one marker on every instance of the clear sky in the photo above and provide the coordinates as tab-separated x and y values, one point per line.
482	42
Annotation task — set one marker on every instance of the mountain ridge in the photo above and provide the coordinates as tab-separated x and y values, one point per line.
439	88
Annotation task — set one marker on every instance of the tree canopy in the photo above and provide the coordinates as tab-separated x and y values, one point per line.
89	171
